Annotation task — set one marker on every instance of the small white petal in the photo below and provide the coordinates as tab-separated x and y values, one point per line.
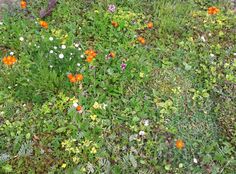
11	53
76	45
71	54
82	56
75	105
1	23
195	160
51	66
63	47
21	39
51	51
146	122
78	64
141	133
61	56
234	54
79	49
203	39
212	55
51	38
55	48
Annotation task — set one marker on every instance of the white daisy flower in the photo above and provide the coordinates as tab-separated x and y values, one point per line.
21	39
141	133
212	55
61	56
75	105
63	47
51	38
51	51
76	45
203	39
146	122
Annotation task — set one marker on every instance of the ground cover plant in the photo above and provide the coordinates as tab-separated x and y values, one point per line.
118	87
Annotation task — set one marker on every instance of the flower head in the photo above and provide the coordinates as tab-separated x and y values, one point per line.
43	24
179	144
91	54
61	56
111	8
79	109
115	24
123	66
93	117
213	10
141	40
23	4
93	150
150	25
9	60
63	165
96	105
75	78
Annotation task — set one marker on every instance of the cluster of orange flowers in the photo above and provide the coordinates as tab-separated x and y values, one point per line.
213	10
9	60
141	40
75	78
91	54
23	4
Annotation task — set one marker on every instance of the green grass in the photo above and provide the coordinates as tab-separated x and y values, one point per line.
176	86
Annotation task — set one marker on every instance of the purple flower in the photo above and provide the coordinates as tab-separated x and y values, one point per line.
112	8
123	66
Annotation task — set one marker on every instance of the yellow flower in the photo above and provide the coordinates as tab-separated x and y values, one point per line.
96	105
93	117
75	159
141	74
63	165
93	150
83	169
86	143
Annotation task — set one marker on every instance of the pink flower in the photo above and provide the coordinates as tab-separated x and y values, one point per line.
112	8
123	66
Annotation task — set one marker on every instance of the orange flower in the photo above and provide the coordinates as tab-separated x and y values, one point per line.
79	77
79	108
9	60
141	40
112	54
23	4
43	24
115	24
73	79
213	10
76	78
150	25
70	76
179	144
89	59
91	55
